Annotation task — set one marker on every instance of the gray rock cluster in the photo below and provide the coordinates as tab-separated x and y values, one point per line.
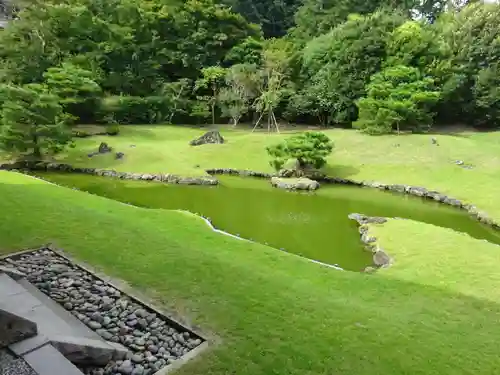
380	257
238	172
212	136
294	183
165	178
152	340
104	148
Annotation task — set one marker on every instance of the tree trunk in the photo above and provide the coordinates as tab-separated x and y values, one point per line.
37	152
213	113
235	121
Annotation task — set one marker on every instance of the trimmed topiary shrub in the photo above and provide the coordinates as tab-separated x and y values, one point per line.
309	149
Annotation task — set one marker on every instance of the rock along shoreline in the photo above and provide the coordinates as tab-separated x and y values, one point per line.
211	180
380	258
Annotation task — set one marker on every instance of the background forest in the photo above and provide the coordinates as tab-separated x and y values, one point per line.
379	66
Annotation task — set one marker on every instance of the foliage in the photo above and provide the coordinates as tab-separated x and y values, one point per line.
212	79
134	109
249	51
414	44
273	78
432	9
177	94
472	38
486	93
32	121
77	91
309	148
166	60
134	47
397	98
315	18
113	129
241	88
338	65
275	16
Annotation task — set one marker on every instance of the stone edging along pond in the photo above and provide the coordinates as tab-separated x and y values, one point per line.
211	180
380	258
60	167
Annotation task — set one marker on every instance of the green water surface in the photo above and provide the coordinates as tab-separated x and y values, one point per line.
313	225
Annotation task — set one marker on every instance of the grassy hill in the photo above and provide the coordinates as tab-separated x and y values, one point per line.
273	313
435	312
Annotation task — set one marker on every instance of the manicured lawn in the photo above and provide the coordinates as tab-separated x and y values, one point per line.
434	312
273	313
415	161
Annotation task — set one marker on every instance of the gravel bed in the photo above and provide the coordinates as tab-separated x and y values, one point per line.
153	341
10	365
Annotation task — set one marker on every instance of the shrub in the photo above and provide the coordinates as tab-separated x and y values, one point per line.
486	93
310	150
113	129
135	109
398	98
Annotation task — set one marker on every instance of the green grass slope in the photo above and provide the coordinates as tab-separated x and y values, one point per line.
274	313
405	159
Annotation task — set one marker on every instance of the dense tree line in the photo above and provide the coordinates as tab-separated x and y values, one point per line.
380	66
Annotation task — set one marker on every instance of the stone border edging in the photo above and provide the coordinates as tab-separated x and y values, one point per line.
380	258
417	191
60	167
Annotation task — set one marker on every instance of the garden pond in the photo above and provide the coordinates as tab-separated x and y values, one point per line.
313	225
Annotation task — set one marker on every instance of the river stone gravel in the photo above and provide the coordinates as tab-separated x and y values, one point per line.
153	342
10	365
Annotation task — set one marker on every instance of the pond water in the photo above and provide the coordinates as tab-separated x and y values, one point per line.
313	225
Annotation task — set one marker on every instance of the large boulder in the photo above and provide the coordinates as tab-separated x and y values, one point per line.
104	148
212	136
291	168
294	183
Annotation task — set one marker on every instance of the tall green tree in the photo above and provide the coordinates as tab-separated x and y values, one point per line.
240	89
32	121
275	73
212	79
337	66
78	93
471	38
398	98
